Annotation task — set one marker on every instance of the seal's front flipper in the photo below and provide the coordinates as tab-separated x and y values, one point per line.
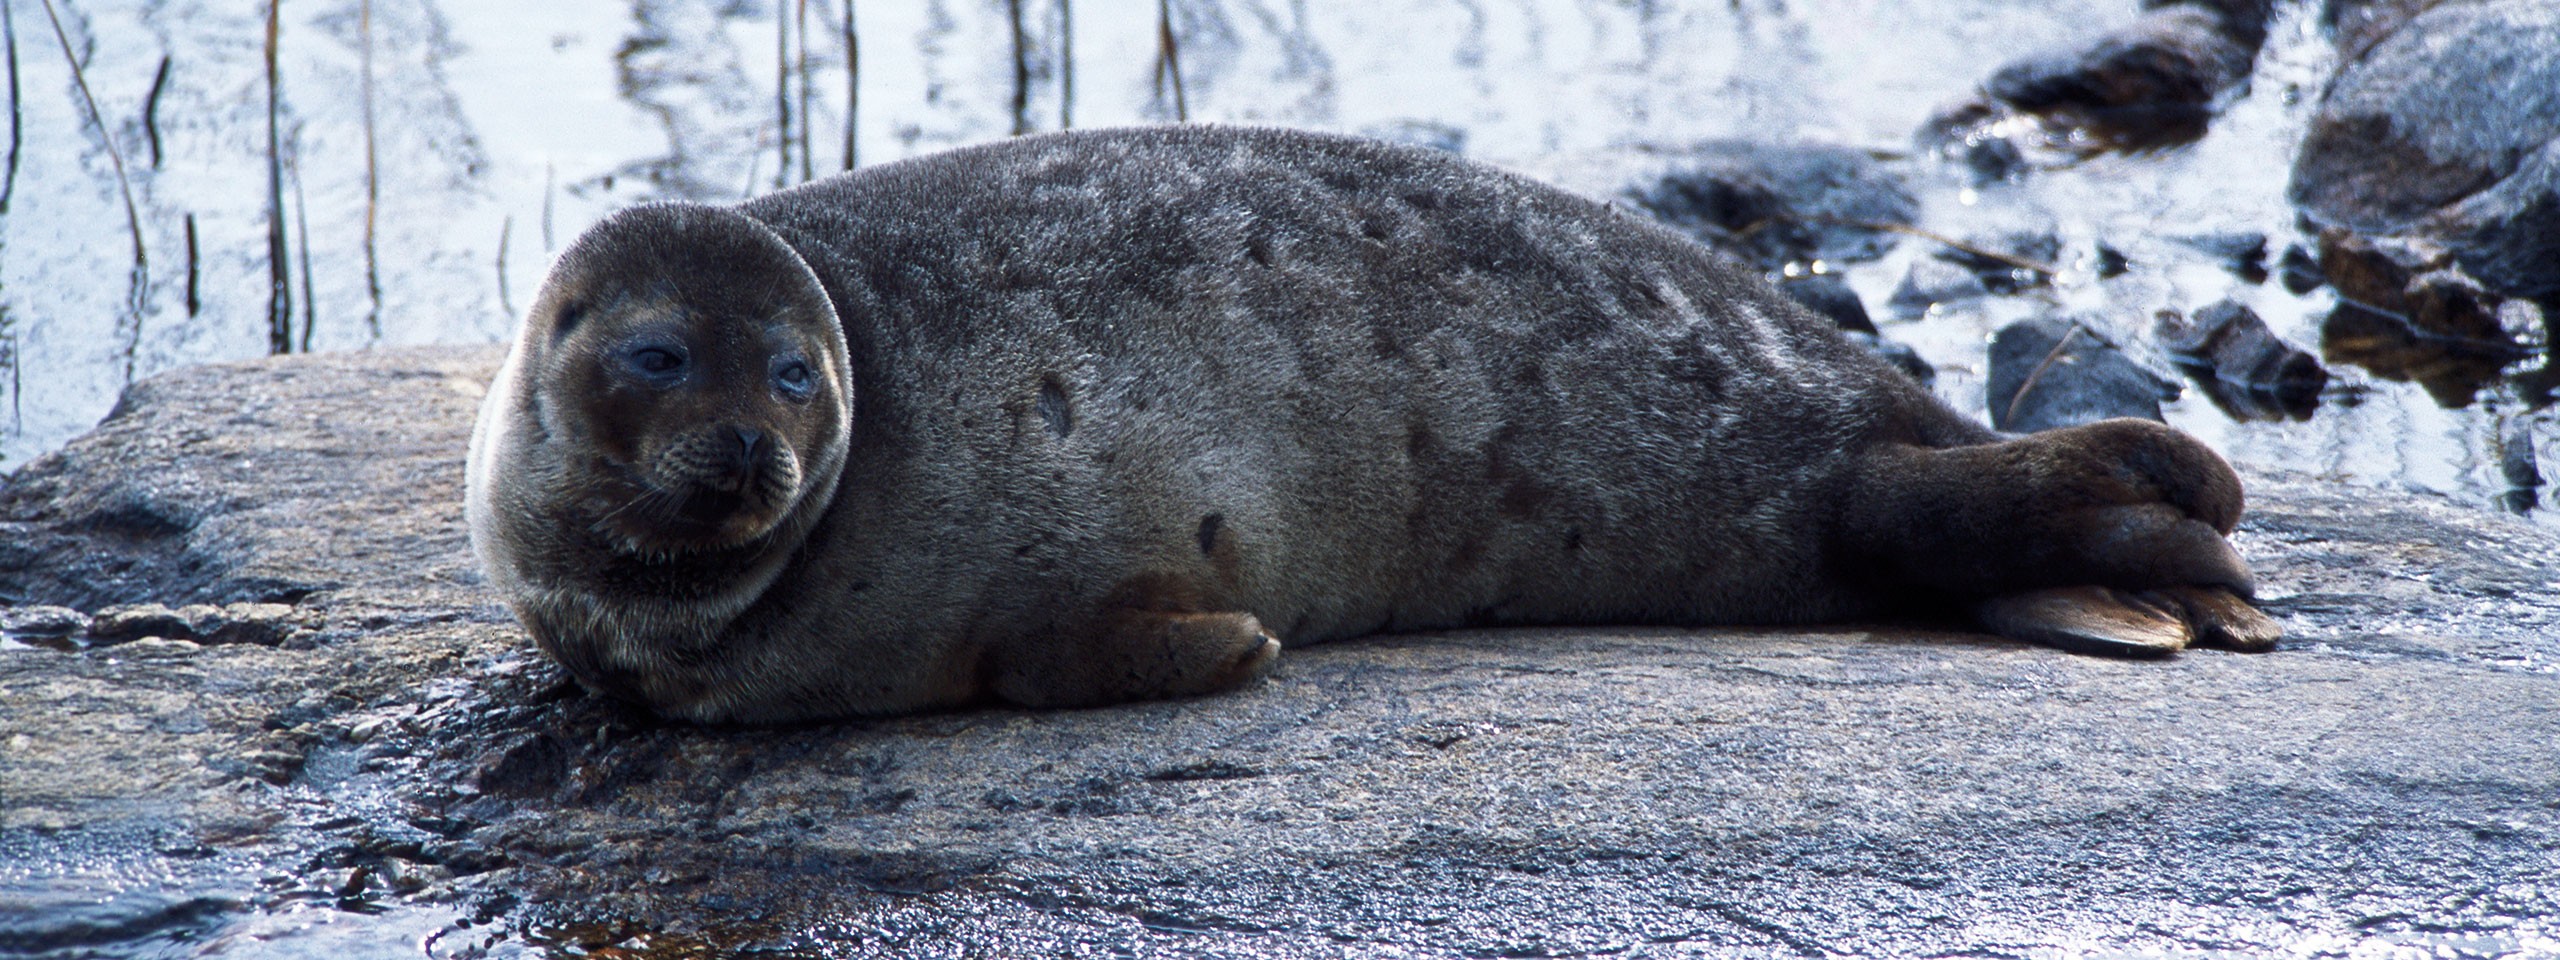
1130	655
2088	620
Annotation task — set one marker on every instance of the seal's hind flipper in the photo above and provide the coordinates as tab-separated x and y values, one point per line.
2088	620
2149	623
2222	619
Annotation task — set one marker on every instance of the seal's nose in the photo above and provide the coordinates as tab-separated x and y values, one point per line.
752	446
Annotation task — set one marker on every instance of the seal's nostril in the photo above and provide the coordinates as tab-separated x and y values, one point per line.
751	444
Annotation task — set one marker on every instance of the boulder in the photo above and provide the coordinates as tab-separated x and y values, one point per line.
408	777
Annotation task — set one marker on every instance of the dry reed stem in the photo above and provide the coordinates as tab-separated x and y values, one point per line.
852	83
194	304
1169	60
1066	65
1021	69
506	304
151	109
372	178
782	97
302	238
138	290
800	28
2028	385
279	271
9	182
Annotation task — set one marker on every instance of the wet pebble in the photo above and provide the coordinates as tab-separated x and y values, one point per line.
2520	467
1828	295
42	621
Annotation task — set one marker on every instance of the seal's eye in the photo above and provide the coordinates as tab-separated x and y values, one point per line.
792	377
661	365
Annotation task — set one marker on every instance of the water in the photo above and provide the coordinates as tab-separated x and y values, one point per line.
501	130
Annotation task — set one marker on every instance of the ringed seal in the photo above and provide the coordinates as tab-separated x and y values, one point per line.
1108	415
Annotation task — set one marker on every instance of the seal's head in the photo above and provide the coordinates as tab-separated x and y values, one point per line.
670	423
694	366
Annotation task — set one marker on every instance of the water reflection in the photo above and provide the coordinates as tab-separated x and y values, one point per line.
432	154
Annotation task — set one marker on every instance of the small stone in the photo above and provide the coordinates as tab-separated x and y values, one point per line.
40	620
129	622
263	624
1931	282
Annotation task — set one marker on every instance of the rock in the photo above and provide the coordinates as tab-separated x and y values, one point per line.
2240	364
127	622
1842	790
2444	125
1830	296
2048	373
1931	282
2146	85
1899	354
39	620
1774	205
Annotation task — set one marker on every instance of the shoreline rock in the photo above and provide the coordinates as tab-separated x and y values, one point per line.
413	773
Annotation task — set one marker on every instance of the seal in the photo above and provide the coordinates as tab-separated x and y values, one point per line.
1099	416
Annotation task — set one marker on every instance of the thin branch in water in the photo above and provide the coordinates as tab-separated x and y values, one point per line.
138	292
9	184
151	109
505	303
782	95
800	28
852	83
1021	70
1066	65
372	180
279	273
2028	385
302	238
194	304
1169	61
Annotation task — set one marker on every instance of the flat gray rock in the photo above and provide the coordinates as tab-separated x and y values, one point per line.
399	773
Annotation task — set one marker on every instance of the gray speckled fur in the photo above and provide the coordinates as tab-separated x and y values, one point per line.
1343	386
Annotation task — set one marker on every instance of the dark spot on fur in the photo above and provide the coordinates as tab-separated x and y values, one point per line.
1375	229
1573	538
1209	532
1423	200
568	318
858	586
1053	407
1468	555
1383	344
1418	439
1258	249
1298	627
1521	497
1532	375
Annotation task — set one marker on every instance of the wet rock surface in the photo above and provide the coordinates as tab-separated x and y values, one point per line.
412	779
2051	372
2143	85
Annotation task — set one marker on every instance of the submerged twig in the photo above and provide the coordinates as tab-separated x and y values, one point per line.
151	109
1169	60
138	291
1905	229
372	179
279	273
852	83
